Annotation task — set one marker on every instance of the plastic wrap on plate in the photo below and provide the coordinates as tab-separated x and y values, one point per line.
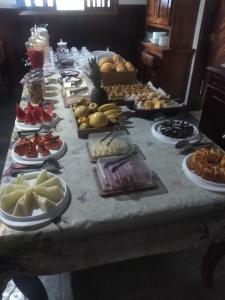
123	173
109	144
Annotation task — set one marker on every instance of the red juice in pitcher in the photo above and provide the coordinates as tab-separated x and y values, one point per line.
36	57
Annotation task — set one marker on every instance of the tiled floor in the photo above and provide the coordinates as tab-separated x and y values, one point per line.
164	277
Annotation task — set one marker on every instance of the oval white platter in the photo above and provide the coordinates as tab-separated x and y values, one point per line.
39	218
205	184
38	160
24	127
156	133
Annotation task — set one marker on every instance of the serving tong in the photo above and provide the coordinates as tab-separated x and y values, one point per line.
50	164
107	136
186	146
119	162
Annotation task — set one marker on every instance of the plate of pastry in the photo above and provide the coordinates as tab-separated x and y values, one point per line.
33	200
32	117
206	168
37	148
173	131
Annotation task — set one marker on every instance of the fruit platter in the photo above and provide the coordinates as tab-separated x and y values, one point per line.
123	174
206	168
33	200
38	147
91	118
33	116
112	143
172	131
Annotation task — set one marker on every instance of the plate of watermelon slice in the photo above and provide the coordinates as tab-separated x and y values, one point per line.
32	117
37	148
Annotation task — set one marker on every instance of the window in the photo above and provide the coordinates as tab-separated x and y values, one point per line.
67	5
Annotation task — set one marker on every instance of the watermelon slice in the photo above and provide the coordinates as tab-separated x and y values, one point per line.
30	120
47	118
38	115
20	113
39	112
30	106
33	118
50	109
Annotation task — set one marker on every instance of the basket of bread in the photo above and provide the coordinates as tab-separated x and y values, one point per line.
116	70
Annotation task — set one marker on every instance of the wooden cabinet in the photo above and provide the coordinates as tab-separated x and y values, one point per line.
212	122
151	11
178	19
163	12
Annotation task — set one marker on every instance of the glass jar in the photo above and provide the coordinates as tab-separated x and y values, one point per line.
35	85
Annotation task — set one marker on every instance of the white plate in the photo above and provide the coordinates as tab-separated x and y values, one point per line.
24	127
22	161
156	133
25	160
38	217
34	225
205	184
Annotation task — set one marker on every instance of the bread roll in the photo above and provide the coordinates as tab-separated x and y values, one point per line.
129	66
120	67
117	58
107	67
104	60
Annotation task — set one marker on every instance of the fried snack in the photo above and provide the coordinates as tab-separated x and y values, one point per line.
209	164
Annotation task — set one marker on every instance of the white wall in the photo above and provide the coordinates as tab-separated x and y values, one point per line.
121	2
7	3
132	2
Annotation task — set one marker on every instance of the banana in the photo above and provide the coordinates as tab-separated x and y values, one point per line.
115	115
106	107
112	111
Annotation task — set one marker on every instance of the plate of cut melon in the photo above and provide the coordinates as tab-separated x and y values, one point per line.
33	200
33	116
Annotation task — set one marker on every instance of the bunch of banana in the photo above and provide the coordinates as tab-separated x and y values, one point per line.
112	111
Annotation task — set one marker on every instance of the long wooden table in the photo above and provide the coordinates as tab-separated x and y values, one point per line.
96	230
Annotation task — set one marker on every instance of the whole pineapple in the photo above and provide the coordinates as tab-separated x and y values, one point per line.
98	94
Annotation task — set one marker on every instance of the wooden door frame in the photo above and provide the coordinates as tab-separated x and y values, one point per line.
202	52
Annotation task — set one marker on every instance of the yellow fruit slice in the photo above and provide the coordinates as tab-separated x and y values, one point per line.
8	201
24	206
53	193
43	176
51	182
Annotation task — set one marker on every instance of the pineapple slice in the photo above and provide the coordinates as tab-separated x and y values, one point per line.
43	176
53	193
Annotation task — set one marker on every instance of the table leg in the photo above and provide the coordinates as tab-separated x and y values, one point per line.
210	261
31	287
